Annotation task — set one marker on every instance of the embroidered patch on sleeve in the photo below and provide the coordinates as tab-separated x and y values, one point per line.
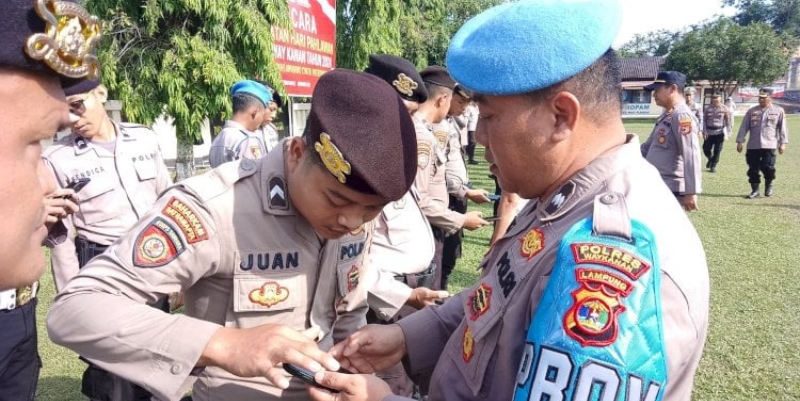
480	301
269	295
352	278
158	244
441	137
190	225
592	319
685	125
423	154
467	344
532	243
611	256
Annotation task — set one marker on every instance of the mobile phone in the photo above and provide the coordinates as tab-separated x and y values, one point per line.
307	376
78	184
492	218
493	197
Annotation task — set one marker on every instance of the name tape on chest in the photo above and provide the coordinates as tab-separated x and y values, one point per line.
270	260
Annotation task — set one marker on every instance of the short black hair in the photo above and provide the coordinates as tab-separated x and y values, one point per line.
436	90
242	102
598	88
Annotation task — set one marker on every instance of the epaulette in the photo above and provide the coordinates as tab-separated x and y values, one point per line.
220	180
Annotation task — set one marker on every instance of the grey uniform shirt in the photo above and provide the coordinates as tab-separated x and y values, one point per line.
244	257
235	142
402	244
124	186
430	180
697	109
674	149
767	128
455	172
485	368
717	120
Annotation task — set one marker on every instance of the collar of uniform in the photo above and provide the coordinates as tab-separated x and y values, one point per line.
584	182
421	120
235	125
274	185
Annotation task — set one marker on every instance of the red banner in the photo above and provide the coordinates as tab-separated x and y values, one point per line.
309	51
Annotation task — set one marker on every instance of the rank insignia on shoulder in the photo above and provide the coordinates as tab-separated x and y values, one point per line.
560	198
404	84
71	35
332	158
532	243
352	278
157	245
277	193
270	294
467	344
185	217
480	301
423	154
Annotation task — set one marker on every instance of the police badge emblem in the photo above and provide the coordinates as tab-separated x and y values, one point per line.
404	84
332	157
269	294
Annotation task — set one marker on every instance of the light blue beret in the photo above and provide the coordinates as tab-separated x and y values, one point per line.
528	45
252	88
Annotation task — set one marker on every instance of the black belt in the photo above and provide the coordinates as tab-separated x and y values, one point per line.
422	279
86	250
714	127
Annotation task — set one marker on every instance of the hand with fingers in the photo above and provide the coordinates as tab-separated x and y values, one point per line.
422	297
351	387
257	351
59	204
373	348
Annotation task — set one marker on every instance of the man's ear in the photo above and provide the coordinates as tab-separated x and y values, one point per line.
295	153
566	108
101	92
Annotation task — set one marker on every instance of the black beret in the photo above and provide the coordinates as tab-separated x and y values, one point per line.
438	76
364	137
462	91
667	78
54	37
80	87
765	92
399	73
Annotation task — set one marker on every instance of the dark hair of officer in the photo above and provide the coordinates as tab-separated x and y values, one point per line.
243	102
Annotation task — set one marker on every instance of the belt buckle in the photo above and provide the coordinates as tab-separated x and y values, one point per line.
26	294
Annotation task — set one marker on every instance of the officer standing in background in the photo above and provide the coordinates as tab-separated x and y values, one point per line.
127	173
456	177
589	276
472	123
696	108
431	158
717	129
768	131
238	138
265	250
673	146
36	58
268	131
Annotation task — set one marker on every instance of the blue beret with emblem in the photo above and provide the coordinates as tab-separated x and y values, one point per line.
49	36
253	88
529	45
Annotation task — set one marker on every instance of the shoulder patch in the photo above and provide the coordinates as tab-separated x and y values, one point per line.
441	137
157	245
685	123
423	154
185	217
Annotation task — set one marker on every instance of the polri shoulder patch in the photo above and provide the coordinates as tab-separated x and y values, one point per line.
158	244
185	217
423	154
685	123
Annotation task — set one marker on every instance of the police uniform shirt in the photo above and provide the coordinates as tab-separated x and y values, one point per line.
674	149
431	181
472	117
124	186
402	244
698	112
235	142
478	336
456	175
270	135
717	120
767	128
244	257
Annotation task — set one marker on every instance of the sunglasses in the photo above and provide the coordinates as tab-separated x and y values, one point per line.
77	107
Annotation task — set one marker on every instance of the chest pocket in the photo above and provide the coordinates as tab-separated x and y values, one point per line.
98	200
399	233
145	170
263	293
663	135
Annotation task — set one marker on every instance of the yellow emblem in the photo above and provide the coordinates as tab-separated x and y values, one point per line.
467	345
332	157
532	243
269	294
404	84
67	46
441	137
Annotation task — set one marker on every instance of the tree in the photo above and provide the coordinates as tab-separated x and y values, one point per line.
364	27
782	15
656	43
728	54
180	57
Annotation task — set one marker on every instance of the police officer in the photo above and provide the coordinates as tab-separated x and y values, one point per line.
264	250
472	113
431	158
36	57
268	131
696	108
238	138
716	131
673	146
589	275
456	177
768	132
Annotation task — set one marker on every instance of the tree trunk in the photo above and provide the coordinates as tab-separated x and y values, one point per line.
184	162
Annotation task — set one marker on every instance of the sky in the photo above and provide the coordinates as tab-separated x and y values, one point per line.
643	16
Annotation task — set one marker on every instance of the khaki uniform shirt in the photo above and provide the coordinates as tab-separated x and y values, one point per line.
767	128
697	109
270	135
430	180
486	366
244	257
674	149
403	244
455	173
124	186
717	121
235	142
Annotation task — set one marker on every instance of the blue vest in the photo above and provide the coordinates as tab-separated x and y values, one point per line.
597	333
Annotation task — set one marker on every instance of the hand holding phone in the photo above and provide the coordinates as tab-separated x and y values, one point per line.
492	218
308	376
78	184
493	198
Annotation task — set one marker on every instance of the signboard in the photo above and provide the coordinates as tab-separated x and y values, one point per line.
310	51
637	109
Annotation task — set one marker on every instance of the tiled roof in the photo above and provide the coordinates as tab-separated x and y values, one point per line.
642	68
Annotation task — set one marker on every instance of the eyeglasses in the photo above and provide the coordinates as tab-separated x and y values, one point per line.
77	107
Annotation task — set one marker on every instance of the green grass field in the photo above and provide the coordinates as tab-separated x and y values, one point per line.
753	347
